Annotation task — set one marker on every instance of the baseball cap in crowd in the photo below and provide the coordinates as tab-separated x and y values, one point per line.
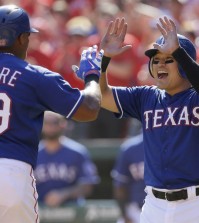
107	8
79	25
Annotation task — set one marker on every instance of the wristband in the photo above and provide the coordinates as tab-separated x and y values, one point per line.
105	63
91	77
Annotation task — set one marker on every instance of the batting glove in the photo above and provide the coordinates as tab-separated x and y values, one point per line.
90	63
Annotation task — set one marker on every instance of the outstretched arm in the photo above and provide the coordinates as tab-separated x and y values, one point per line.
112	44
191	68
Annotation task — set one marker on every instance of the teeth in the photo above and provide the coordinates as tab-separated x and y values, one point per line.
161	72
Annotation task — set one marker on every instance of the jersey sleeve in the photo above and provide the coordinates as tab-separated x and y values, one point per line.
56	94
130	100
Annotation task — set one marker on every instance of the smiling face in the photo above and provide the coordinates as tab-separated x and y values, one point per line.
166	74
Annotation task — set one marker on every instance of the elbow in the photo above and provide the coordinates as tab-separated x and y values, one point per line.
93	117
88	111
93	109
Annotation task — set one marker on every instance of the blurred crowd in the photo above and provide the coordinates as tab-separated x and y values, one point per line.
68	26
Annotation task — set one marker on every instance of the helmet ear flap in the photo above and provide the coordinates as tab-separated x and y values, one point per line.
150	66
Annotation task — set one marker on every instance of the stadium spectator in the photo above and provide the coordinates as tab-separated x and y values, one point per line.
77	30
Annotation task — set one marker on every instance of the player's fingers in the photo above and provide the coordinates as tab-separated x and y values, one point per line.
121	25
166	20
168	24
115	26
110	27
88	53
83	55
123	32
94	51
156	46
162	30
125	48
75	68
173	25
163	23
100	55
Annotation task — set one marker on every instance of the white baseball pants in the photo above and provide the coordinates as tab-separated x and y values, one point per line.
18	196
157	210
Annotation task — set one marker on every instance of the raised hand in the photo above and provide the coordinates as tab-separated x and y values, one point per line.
112	42
90	63
168	29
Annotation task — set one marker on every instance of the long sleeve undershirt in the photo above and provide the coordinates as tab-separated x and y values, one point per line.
190	67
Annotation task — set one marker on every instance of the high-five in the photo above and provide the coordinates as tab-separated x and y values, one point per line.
112	44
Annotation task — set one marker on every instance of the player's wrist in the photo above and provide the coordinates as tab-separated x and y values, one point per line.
105	62
177	52
92	72
91	77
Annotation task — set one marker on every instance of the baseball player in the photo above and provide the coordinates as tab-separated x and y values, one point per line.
128	179
64	172
169	113
190	66
26	91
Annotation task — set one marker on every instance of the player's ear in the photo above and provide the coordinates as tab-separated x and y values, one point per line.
23	38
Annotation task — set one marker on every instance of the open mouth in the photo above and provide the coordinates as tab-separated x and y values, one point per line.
162	74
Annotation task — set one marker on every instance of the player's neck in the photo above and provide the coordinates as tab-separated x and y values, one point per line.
52	145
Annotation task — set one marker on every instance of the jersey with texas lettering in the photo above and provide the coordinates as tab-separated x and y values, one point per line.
26	91
128	170
170	130
65	168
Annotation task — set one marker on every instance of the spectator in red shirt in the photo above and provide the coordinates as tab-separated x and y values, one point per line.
77	30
